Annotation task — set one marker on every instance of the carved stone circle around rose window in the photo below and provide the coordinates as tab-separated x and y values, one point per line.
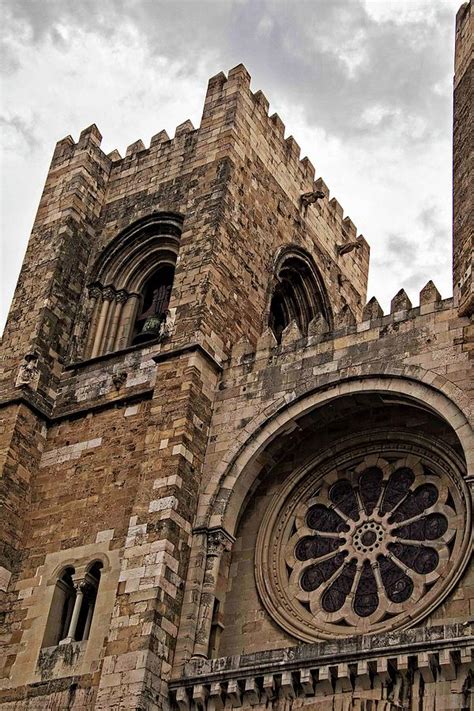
369	540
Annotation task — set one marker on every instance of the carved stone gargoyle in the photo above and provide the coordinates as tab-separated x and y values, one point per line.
347	247
310	198
118	379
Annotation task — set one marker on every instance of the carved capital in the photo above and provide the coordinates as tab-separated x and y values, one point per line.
218	541
108	294
95	291
81	586
121	296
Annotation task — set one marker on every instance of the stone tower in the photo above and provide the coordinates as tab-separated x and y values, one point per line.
228	480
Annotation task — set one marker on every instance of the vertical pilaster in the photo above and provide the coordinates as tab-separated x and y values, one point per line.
463	182
53	275
218	541
156	554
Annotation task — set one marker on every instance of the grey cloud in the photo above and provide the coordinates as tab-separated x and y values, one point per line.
23	130
432	227
418	261
356	78
403	248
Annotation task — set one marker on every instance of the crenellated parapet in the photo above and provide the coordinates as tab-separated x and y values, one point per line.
402	315
285	154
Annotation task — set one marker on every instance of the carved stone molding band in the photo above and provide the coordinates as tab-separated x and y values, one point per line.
370	541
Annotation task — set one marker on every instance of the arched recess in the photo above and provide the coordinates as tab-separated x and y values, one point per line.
430	419
222	499
297	293
131	285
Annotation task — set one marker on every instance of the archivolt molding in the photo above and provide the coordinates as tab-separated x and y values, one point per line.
130	258
223	498
119	276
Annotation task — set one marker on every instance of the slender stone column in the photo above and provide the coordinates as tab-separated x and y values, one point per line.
121	298
107	296
95	295
126	321
71	633
218	541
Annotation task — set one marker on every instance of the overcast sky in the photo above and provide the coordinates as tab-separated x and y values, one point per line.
363	85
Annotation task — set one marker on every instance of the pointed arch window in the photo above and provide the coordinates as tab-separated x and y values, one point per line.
298	294
131	291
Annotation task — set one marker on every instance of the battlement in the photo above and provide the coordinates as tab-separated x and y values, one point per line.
402	312
284	152
231	105
91	138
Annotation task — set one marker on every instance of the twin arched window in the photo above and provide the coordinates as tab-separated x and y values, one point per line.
298	294
72	606
131	290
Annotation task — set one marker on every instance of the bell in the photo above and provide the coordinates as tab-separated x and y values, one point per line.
150	329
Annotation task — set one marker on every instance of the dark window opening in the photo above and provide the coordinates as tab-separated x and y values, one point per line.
296	297
153	310
62	606
279	318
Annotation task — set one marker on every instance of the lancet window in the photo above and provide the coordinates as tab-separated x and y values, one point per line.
298	294
131	291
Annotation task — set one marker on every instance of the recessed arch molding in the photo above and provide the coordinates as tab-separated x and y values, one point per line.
224	496
131	279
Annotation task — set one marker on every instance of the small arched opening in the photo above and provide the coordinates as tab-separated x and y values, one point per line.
298	295
72	607
155	299
62	606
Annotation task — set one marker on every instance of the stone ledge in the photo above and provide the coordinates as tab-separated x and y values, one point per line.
315	668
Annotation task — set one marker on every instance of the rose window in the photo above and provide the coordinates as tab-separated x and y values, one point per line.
362	547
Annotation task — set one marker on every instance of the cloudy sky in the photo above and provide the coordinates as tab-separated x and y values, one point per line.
363	85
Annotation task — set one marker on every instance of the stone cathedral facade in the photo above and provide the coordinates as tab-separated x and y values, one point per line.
229	481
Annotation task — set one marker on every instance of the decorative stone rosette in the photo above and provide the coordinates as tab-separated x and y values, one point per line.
369	542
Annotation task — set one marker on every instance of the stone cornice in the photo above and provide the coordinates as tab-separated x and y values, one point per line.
306	669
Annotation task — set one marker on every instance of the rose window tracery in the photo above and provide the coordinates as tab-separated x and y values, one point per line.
367	545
